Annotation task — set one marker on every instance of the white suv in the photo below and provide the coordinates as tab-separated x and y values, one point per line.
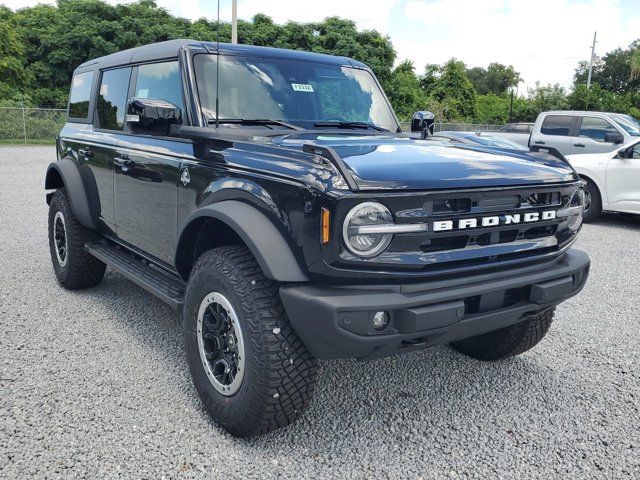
576	132
613	180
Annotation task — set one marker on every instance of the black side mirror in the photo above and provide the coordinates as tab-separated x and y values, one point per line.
613	138
423	122
151	115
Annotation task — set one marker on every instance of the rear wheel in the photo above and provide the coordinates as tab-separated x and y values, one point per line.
73	266
507	342
592	202
250	369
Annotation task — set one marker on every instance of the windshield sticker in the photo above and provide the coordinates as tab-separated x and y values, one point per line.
302	87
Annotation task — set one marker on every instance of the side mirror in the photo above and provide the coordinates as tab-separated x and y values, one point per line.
150	115
613	138
423	122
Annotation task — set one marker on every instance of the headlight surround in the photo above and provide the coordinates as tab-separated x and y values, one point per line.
576	209
366	214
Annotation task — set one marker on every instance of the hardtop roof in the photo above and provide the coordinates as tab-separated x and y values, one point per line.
169	49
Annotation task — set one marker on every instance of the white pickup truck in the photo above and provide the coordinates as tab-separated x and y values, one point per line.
569	132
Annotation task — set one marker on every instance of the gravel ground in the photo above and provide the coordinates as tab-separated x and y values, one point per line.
95	384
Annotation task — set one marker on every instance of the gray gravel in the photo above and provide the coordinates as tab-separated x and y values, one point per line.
95	383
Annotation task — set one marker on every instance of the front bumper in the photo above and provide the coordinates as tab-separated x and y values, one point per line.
335	322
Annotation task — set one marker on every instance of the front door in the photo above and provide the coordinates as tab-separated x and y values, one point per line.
591	136
147	171
623	182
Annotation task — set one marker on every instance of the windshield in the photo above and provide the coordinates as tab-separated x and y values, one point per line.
628	123
297	92
496	142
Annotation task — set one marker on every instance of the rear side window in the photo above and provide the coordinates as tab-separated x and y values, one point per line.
160	81
557	125
80	95
596	128
112	99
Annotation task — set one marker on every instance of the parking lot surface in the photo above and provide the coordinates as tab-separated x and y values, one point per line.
95	384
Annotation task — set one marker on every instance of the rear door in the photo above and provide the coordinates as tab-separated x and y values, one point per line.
623	182
591	135
555	133
108	125
147	171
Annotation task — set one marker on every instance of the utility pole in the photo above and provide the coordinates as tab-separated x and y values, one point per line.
234	21
593	54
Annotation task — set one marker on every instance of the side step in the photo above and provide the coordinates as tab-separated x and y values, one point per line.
164	286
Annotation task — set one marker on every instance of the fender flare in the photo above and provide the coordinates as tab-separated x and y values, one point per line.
261	236
69	173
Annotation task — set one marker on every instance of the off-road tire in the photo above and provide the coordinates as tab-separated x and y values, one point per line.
509	341
279	374
595	210
81	270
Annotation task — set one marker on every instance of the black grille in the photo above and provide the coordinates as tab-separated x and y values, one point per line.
473	245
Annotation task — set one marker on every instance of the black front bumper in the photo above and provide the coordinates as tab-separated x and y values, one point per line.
335	322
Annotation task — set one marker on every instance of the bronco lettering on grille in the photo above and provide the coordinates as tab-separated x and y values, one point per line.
492	221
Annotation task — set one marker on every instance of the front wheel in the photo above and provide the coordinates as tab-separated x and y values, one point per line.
592	202
250	369
509	341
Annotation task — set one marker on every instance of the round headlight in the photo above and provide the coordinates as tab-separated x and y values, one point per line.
359	229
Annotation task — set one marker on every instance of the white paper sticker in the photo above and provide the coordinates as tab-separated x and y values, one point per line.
302	87
143	93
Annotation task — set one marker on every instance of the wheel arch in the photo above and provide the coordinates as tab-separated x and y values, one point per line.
65	174
592	178
234	222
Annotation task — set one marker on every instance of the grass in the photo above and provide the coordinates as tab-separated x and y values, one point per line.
17	142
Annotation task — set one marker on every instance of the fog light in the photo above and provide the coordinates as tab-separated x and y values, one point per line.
380	320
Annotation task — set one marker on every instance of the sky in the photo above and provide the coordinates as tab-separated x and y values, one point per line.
543	39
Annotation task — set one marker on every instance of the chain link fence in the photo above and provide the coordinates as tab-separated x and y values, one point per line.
22	125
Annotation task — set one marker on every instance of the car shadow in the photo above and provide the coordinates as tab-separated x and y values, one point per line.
615	219
409	394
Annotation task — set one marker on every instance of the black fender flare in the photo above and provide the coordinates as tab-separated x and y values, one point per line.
261	236
67	171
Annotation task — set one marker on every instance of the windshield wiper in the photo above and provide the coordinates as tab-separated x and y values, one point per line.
256	121
337	124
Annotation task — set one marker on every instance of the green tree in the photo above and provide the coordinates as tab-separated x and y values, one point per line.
615	71
454	90
403	89
496	79
13	76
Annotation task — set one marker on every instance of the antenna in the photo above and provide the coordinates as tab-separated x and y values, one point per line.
218	66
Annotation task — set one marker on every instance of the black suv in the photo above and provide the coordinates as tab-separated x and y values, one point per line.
270	197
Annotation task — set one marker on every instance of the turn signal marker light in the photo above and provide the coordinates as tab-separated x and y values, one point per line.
324	215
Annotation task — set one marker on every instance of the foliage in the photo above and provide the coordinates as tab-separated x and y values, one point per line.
496	78
40	47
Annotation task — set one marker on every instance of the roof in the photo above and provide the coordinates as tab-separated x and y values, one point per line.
578	112
170	48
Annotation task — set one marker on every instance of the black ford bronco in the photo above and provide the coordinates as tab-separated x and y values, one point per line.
271	197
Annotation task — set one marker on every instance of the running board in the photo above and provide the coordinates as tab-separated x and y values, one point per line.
164	286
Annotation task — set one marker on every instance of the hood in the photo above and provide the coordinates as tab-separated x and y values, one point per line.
383	162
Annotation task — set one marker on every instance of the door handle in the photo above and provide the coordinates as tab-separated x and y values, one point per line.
539	142
124	162
578	144
85	152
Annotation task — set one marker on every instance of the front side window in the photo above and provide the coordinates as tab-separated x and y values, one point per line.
596	128
297	92
557	125
160	81
636	151
80	95
112	99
